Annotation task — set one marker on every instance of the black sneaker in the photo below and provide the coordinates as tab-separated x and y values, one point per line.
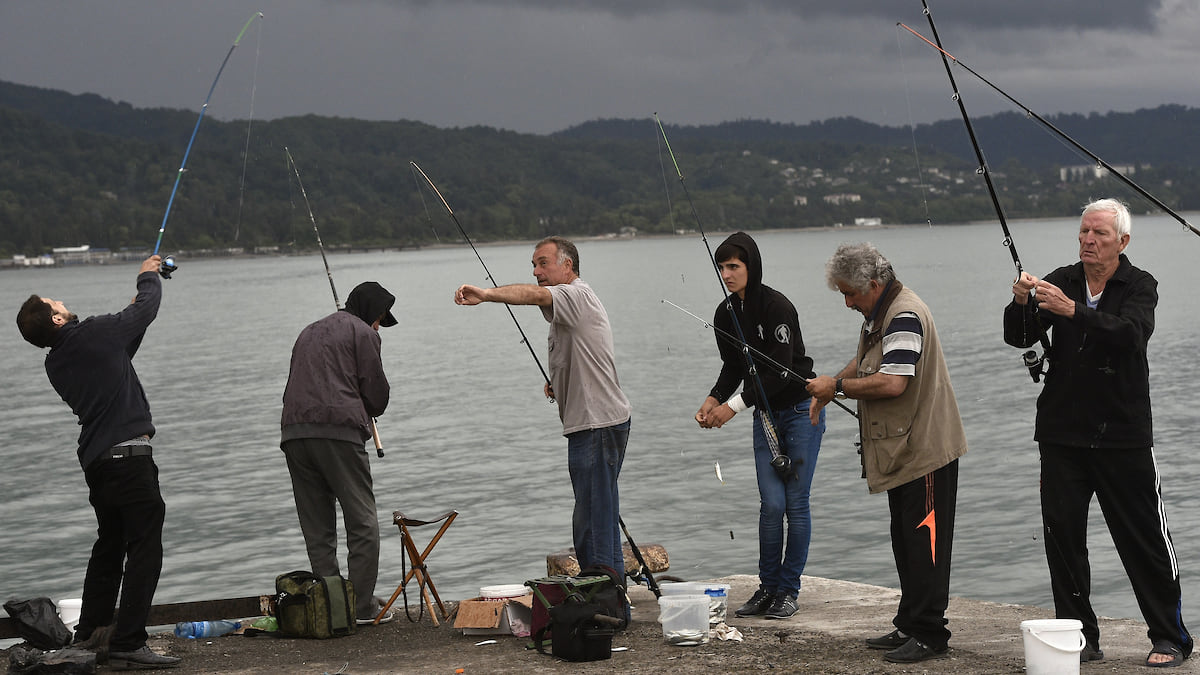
892	640
1090	653
913	651
757	604
781	607
142	658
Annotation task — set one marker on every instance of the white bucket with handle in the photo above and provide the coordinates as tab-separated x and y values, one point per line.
1052	646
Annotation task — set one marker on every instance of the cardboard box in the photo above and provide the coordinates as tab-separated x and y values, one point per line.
495	616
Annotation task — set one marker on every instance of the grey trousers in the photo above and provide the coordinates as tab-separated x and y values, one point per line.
324	471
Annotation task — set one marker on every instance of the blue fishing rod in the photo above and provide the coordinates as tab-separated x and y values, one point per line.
1061	134
779	460
337	304
490	278
1033	361
168	264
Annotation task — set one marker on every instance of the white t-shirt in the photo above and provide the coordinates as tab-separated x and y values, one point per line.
582	371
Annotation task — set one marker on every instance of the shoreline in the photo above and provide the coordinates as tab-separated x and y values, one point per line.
825	636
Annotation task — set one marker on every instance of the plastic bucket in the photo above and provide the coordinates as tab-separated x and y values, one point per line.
1052	646
718	600
684	619
681	588
718	596
68	611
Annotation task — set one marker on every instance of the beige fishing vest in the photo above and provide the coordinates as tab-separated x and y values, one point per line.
919	431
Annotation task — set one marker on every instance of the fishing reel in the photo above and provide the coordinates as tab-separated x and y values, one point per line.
1035	363
783	466
167	267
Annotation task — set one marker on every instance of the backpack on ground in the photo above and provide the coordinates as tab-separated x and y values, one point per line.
309	606
579	615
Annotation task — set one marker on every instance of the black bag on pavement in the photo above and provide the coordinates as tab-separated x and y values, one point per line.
29	661
579	614
38	623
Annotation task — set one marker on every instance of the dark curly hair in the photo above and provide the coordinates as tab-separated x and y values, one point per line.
35	321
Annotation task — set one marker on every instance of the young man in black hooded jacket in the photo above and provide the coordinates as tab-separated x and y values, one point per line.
767	321
336	384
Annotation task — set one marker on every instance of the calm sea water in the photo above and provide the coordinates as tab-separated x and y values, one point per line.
468	428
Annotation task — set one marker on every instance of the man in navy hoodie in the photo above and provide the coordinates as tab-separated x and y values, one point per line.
90	365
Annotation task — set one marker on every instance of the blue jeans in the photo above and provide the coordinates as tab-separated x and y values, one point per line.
594	458
780	565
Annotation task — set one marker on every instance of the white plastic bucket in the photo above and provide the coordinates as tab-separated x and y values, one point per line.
718	596
681	588
1052	646
684	619
68	611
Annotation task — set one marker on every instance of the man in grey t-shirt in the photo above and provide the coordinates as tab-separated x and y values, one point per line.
583	379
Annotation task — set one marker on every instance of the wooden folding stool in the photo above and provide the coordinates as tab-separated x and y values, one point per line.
417	562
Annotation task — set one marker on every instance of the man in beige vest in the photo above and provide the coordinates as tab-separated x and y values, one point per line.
912	437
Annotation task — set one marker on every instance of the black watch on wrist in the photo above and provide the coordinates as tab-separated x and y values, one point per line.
837	389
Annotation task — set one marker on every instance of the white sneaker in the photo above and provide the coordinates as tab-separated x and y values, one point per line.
387	618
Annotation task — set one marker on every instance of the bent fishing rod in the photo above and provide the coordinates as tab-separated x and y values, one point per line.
784	372
779	460
337	304
168	264
1061	134
1032	360
490	278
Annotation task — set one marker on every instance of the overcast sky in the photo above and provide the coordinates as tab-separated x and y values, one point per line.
543	65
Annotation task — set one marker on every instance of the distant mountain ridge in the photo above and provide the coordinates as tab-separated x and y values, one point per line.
82	169
1162	135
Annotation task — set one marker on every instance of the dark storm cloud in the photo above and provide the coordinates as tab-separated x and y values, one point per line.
988	14
543	65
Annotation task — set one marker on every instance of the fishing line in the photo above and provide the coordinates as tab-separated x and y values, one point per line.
1032	360
168	264
421	194
784	372
337	304
246	150
666	185
780	461
912	128
947	57
463	232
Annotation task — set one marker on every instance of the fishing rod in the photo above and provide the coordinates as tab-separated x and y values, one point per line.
1032	360
490	278
337	304
168	264
1061	134
779	460
784	372
641	561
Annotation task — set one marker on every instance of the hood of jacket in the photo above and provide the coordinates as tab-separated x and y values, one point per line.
369	301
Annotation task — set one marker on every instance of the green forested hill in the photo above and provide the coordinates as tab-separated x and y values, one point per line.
85	170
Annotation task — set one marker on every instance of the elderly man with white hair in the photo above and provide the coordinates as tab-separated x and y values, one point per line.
1094	429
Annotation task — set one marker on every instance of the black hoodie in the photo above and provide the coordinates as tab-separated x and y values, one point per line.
770	325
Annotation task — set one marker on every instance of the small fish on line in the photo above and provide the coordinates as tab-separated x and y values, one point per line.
717	467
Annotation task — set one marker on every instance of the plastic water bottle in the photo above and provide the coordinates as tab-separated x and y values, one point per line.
205	629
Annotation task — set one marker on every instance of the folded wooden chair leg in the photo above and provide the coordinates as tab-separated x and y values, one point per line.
417	560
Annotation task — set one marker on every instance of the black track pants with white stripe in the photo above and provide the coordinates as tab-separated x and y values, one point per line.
1126	485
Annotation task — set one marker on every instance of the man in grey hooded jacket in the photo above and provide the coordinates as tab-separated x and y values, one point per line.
336	384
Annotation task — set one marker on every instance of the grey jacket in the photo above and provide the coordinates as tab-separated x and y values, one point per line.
336	381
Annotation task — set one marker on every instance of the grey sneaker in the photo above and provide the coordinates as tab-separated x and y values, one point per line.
782	606
757	604
142	658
